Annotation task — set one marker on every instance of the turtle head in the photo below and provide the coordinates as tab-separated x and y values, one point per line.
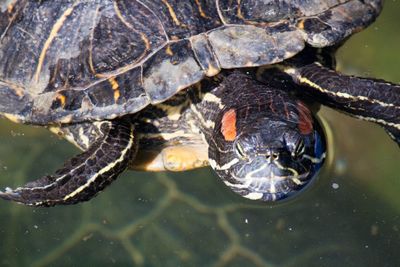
267	155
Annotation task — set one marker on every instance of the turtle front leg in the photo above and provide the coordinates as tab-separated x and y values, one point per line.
86	174
367	99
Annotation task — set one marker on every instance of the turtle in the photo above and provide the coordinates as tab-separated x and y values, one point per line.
160	85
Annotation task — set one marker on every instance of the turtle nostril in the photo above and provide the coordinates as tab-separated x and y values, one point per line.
275	156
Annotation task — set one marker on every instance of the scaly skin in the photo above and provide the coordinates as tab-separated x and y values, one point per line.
84	175
367	99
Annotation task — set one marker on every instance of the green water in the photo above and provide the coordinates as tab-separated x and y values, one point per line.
192	219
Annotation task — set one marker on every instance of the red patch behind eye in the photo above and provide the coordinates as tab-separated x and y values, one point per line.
228	125
305	119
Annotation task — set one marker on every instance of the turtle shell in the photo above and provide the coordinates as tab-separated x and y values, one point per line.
67	61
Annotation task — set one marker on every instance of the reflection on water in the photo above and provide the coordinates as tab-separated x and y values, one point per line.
349	218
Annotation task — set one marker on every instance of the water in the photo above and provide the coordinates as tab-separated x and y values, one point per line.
351	217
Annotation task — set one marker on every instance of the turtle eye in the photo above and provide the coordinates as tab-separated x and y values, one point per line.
240	151
299	149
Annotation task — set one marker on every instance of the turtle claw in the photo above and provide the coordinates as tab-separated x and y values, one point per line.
31	196
35	193
12	195
8	190
26	197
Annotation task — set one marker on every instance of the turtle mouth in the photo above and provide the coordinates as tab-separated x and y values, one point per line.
270	187
269	181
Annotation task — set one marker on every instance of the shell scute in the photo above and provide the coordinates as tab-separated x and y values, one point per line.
92	60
